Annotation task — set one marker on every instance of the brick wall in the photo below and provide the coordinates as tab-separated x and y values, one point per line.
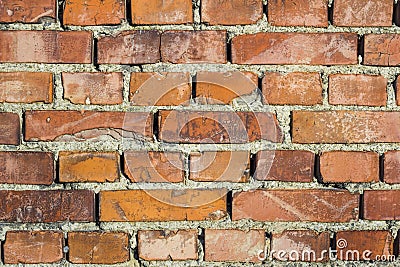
199	133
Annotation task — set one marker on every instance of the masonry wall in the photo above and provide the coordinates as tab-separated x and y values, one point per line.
199	133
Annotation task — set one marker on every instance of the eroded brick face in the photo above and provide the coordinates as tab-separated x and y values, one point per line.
161	12
27	11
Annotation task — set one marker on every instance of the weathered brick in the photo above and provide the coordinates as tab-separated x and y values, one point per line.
224	87
9	128
88	167
194	47
217	127
46	206
233	245
129	47
392	167
93	12
220	166
26	87
85	125
26	168
397	89
93	88
298	13
233	12
345	127
98	247
295	88
285	165
46	47
382	205
300	245
295	48
154	167
173	88
33	247
362	13
27	11
363	90
309	205
162	205
167	245
363	245
382	49
161	12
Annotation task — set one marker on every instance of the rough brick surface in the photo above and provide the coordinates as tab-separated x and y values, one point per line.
382	49
381	205
161	12
9	128
392	167
27	11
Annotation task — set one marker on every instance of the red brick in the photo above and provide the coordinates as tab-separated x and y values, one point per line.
167	245
129	47
173	88
9	128
231	12
392	167
233	245
46	47
162	205
363	245
345	127
161	12
224	87
217	127
298	13
361	13
309	205
220	166
194	47
26	87
300	245
93	12
349	166
46	206
98	247
397	89
154	167
285	165
382	205
27	11
295	88
88	167
26	168
363	90
33	247
85	125
93	88
289	48
382	49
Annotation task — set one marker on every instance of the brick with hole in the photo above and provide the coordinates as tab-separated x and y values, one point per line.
381	205
93	88
46	47
392	167
298	13
349	167
9	128
162	245
26	87
381	50
235	12
294	88
26	168
35	11
154	167
173	88
233	245
161	12
30	247
98	167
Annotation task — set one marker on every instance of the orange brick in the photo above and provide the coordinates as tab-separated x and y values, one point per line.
93	88
94	12
161	12
382	49
167	245
9	128
98	247
392	167
382	205
27	11
173	88
295	88
162	205
397	89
